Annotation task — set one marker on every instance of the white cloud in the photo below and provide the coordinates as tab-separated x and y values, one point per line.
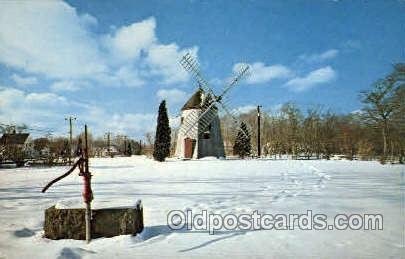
244	109
18	107
49	110
216	81
275	108
48	99
59	45
130	123
163	61
68	85
129	41
24	81
260	73
129	76
316	77
174	121
357	112
9	97
48	37
134	125
12	97
351	45
172	96
319	57
52	39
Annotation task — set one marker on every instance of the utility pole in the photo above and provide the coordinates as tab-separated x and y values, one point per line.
108	134
125	145
70	119
258	131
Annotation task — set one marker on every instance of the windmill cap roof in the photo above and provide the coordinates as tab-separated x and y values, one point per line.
194	102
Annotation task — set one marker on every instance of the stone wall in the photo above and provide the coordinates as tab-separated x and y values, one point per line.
70	223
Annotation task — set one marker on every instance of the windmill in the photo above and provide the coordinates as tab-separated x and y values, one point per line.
200	113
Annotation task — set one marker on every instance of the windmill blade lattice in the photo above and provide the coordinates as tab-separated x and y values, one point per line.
191	65
199	122
235	120
239	75
196	123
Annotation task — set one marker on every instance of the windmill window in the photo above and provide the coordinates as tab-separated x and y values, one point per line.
207	133
181	120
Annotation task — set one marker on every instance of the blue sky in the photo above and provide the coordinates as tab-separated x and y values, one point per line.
110	63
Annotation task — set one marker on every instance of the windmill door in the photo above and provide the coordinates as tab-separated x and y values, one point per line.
189	145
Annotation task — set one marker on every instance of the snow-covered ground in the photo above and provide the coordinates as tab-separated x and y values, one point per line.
219	186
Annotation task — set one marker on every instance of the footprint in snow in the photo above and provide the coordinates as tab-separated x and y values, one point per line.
73	253
25	232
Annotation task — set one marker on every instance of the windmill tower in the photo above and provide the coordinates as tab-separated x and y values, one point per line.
203	141
200	130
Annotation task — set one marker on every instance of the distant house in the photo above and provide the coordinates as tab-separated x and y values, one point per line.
106	152
17	139
11	147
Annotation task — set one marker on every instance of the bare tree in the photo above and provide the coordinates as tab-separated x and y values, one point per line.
293	118
379	105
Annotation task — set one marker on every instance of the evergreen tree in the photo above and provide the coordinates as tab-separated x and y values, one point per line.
242	146
162	139
129	149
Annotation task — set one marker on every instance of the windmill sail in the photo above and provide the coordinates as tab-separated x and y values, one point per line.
196	123
191	65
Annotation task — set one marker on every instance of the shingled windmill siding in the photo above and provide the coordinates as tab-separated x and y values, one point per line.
202	142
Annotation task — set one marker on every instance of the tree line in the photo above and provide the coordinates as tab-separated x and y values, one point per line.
53	150
375	131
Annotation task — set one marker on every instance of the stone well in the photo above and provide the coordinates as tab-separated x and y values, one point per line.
70	223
